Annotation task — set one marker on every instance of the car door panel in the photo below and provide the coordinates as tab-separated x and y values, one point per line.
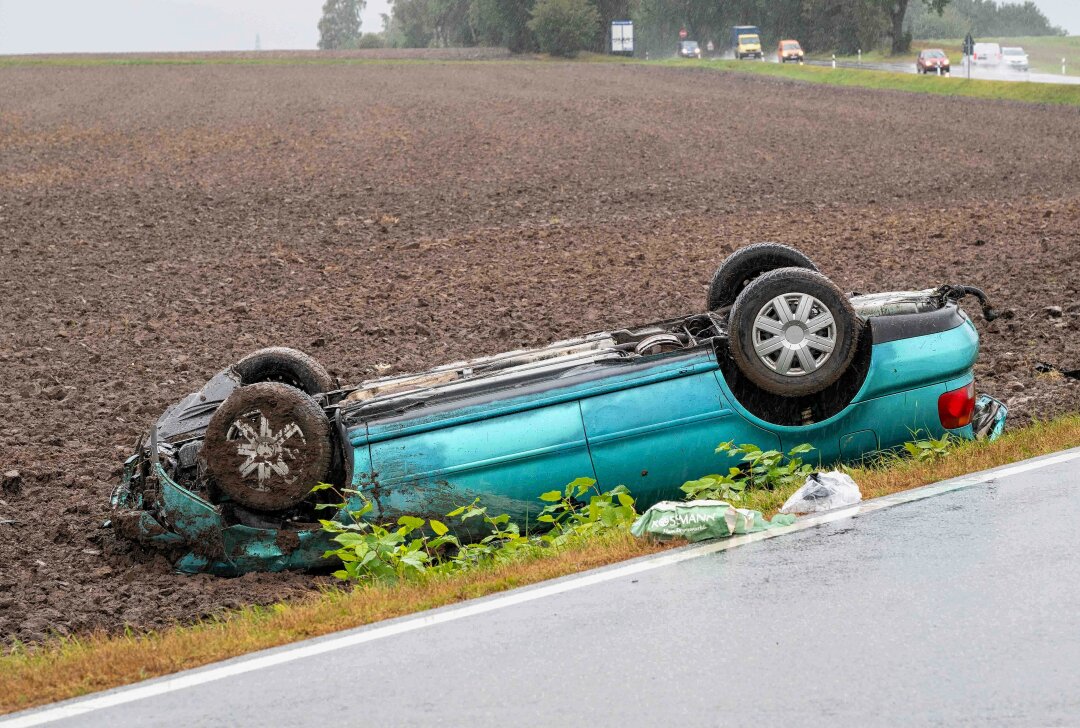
655	437
507	461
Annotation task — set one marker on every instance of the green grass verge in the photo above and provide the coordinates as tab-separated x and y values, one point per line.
1039	93
67	667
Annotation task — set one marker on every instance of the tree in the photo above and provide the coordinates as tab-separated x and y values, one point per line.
339	26
564	27
503	23
413	23
896	10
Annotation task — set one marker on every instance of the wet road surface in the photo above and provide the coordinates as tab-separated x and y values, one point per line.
958	609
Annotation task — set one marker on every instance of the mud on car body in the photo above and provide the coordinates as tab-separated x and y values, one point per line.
779	357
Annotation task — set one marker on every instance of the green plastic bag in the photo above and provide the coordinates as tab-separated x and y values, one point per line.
701	520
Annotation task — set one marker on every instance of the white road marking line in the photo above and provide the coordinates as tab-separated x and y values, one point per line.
318	646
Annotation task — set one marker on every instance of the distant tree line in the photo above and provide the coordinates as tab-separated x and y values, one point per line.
566	26
983	19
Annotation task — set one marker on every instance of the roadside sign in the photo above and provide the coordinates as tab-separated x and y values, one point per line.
622	37
682	33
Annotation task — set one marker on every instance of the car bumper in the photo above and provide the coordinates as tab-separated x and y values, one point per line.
152	509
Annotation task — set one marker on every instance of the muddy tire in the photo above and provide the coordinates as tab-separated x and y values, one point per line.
288	366
746	264
267	445
793	332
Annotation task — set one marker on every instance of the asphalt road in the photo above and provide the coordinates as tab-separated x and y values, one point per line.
957	609
977	72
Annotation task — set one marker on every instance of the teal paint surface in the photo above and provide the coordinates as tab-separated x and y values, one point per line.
663	434
507	460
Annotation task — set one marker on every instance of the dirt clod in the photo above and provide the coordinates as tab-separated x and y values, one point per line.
11	483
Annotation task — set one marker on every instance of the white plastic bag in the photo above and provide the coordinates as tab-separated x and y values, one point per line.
821	492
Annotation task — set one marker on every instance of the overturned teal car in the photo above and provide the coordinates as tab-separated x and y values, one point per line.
778	356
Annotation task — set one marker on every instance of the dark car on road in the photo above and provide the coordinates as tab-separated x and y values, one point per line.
689	49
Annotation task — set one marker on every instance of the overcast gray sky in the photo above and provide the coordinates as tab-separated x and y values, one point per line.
88	26
83	26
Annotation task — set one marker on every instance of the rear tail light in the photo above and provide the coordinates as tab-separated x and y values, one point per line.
956	407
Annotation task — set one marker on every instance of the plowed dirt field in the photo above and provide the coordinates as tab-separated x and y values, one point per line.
158	222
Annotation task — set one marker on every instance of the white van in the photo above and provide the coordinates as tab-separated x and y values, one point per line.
987	54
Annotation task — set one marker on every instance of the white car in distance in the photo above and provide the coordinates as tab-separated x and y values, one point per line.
1014	58
987	54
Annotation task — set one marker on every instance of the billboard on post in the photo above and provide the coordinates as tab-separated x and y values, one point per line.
622	37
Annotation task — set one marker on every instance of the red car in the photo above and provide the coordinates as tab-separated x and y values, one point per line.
932	60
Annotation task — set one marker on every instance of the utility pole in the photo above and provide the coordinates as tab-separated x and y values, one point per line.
258	42
969	52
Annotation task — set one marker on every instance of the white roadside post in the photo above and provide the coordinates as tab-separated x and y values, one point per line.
860	56
834	60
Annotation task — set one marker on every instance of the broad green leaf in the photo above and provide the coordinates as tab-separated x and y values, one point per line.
438	527
411	523
551	496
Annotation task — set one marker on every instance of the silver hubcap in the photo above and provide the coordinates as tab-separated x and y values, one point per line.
265	451
794	334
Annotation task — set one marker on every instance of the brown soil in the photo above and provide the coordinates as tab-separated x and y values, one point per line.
159	222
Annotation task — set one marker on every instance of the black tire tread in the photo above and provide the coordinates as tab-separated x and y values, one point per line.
282	364
746	264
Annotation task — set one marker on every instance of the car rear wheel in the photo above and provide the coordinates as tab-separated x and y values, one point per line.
267	445
746	264
288	366
793	332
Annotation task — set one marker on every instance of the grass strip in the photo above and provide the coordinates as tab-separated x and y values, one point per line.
67	667
1037	93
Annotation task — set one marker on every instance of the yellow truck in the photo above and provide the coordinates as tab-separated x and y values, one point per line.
746	41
